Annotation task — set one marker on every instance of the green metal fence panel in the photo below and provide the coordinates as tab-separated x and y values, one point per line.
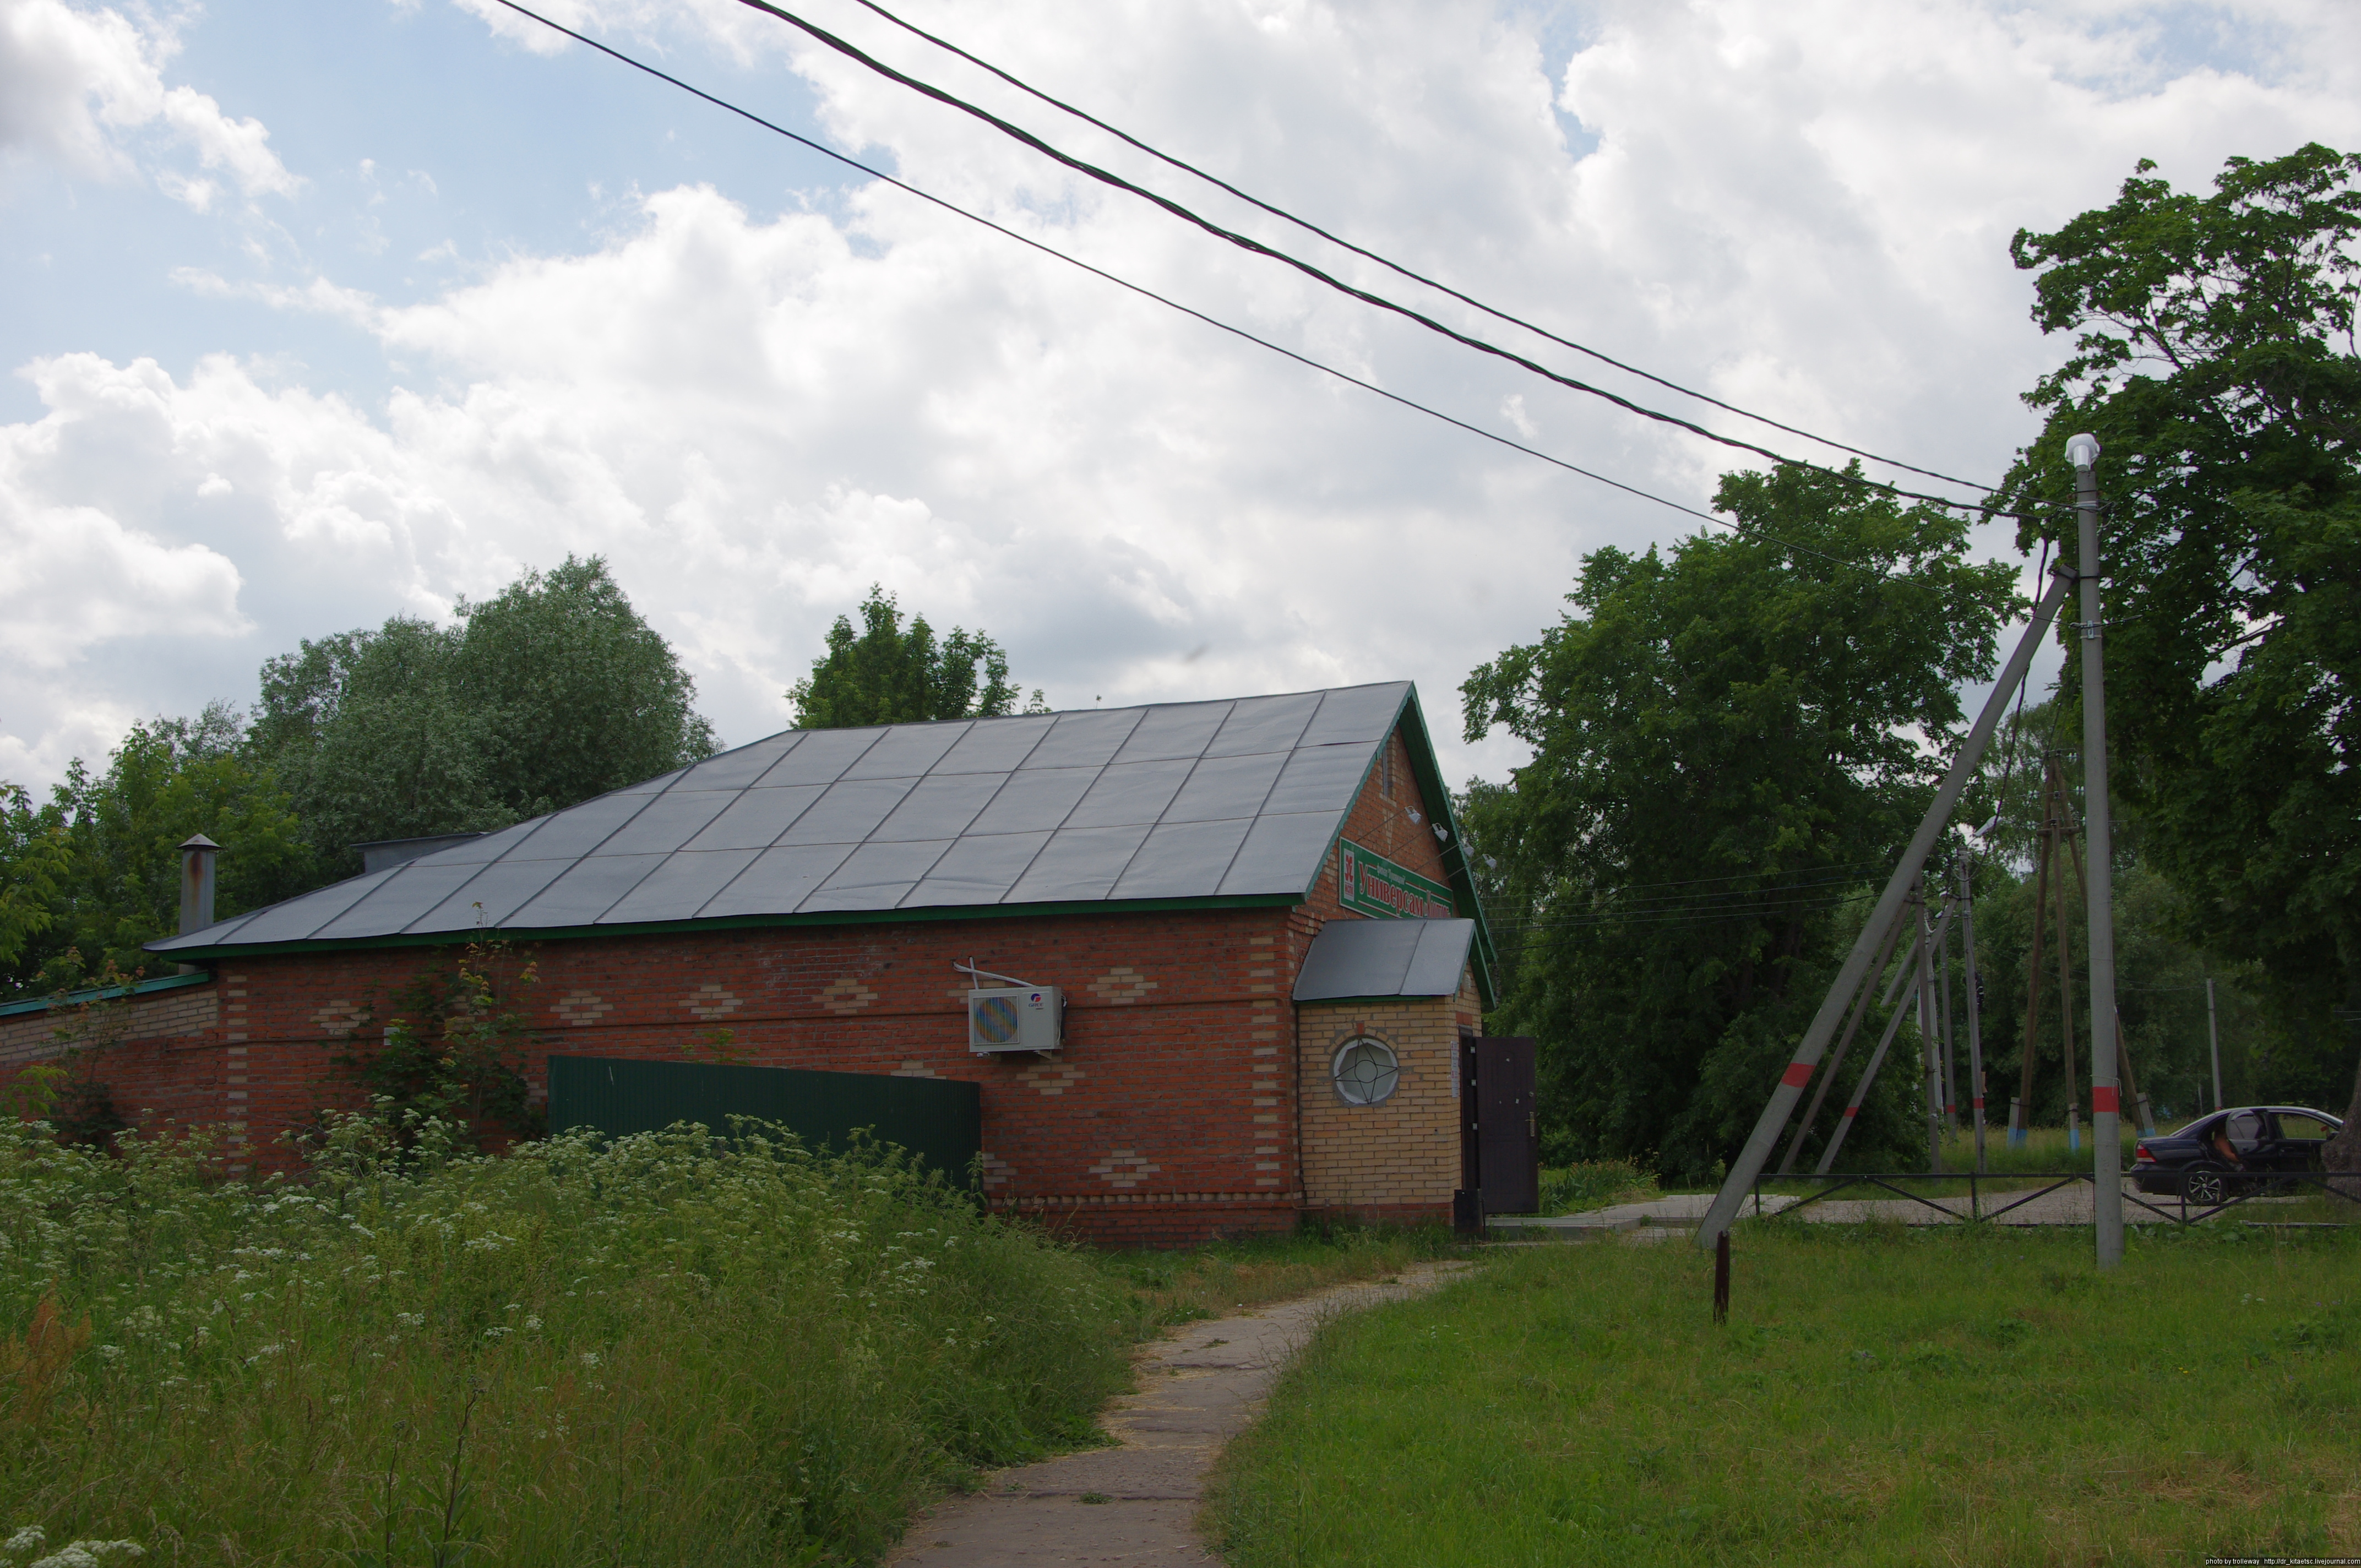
938	1120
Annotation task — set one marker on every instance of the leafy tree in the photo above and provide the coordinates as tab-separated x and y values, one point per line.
32	865
885	674
551	693
2215	359
373	741
579	695
1726	744
108	850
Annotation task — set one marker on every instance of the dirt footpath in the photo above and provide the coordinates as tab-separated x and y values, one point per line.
1135	1503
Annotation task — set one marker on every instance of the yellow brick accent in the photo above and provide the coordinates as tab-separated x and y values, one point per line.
1403	1150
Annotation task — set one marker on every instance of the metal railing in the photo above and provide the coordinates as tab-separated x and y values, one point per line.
2197	1195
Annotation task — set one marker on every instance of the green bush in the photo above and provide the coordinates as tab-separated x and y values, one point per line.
1596	1184
671	1348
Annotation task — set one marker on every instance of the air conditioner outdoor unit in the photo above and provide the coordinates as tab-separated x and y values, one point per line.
1016	1018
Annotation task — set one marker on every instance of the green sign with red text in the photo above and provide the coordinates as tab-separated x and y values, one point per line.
1369	884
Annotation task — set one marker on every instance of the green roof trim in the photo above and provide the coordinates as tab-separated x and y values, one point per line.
104	993
745	922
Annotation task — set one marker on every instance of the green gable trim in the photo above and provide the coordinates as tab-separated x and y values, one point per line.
744	922
1424	767
104	993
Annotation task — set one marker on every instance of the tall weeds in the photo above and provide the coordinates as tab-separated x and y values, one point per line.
671	1348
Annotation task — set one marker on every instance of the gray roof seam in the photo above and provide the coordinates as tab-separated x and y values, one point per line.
526	903
1288	755
1320	867
1166	810
1047	730
1120	742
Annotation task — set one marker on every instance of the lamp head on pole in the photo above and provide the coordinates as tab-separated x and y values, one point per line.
2082	450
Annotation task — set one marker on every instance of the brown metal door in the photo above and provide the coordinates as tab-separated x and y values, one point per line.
1507	1149
1466	1208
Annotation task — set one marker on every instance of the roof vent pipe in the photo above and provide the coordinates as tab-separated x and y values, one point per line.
197	882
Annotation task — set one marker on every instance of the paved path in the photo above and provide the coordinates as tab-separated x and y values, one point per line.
1199	1386
1641	1221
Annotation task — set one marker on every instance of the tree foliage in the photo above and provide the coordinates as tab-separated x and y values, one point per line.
2215	359
95	872
549	694
1727	743
886	674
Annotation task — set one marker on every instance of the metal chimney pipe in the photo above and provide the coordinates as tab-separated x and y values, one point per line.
197	882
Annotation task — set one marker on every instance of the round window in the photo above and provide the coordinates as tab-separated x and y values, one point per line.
1365	1070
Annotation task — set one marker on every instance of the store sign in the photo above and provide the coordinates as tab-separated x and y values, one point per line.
1369	884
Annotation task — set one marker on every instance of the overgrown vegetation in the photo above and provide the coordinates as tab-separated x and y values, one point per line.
1879	1396
674	1348
457	1038
1596	1184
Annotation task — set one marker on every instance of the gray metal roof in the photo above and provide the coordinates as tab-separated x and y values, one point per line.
1174	801
1385	958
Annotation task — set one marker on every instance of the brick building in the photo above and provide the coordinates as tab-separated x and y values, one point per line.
1258	913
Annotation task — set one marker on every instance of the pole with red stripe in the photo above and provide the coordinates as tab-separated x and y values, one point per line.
2098	893
1756	1153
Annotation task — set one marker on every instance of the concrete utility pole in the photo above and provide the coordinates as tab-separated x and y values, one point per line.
2213	1038
2106	1139
1951	1048
1975	1028
1931	1048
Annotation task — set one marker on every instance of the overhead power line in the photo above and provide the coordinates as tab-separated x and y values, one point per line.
1249	243
1394	266
1145	292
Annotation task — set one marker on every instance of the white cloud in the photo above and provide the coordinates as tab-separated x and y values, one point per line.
74	82
1802	205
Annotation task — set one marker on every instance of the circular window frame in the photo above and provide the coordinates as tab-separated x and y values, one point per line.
1384	1082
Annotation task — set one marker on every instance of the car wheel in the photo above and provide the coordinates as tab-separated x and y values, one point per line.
2206	1189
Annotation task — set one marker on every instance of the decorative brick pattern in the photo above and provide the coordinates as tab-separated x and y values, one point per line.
1052	1076
1121	985
1398	1158
849	996
914	1069
997	1172
337	1019
1123	1169
579	1009
712	1001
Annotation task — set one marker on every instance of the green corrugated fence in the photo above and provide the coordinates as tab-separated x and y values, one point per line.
938	1120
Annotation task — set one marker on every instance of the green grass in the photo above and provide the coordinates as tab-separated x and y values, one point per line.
1879	1396
1593	1184
667	1349
1214	1281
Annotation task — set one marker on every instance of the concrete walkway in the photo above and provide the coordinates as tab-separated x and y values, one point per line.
1682	1210
1135	1503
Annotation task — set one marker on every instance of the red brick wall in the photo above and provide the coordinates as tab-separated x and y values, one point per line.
1172	1113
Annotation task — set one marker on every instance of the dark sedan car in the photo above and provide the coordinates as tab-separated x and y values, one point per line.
2233	1151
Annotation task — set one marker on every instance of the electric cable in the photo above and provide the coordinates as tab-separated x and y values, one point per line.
1255	246
1396	267
1149	293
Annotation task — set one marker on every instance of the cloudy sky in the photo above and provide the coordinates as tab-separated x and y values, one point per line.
320	313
